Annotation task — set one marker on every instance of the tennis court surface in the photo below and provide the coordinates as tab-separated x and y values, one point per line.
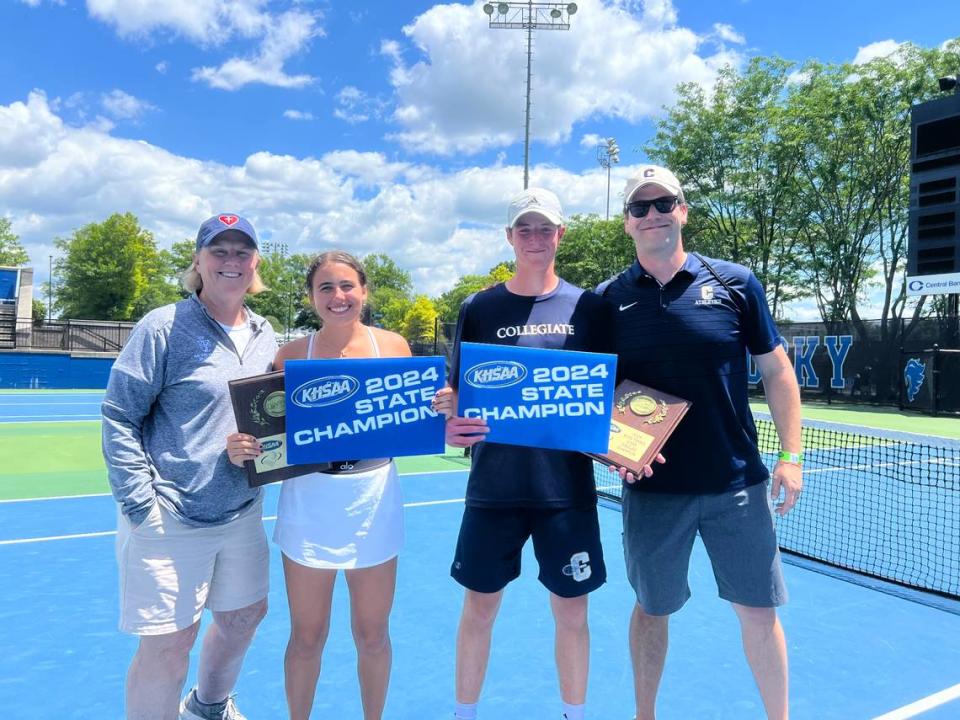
862	649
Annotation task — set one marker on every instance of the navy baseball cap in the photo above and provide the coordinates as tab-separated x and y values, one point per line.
211	229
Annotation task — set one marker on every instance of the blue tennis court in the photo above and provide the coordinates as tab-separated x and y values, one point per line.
855	652
50	406
862	649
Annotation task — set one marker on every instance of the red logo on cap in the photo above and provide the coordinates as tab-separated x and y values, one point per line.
228	219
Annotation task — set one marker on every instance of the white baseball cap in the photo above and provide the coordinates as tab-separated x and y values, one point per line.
652	175
535	200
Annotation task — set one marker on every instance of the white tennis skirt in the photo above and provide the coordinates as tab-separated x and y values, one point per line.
341	521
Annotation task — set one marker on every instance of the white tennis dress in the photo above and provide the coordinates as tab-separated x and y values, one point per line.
341	521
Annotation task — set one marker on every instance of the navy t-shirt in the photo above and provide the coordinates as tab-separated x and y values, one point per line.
690	338
567	318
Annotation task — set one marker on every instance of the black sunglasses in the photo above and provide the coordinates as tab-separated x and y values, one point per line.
640	208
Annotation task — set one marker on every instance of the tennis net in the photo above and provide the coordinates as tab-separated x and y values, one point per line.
883	504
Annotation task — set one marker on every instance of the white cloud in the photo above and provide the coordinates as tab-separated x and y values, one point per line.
213	23
207	22
465	93
727	33
162	67
286	35
297	115
439	225
124	106
37	3
591	140
355	106
882	48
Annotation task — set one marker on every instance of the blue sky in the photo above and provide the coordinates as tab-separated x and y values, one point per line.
372	126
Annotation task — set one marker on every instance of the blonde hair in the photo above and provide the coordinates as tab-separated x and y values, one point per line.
191	281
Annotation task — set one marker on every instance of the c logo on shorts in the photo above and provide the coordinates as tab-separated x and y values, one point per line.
579	567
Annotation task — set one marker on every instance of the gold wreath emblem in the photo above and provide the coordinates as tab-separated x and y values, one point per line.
660	416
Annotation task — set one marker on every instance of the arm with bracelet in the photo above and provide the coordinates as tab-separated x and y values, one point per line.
783	398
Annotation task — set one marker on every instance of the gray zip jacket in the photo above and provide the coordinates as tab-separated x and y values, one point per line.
167	413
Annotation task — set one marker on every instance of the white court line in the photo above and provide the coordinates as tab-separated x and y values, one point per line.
922	705
94	495
35	404
105	533
46	418
57	497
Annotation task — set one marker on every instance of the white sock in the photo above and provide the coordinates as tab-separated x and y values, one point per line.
465	711
573	712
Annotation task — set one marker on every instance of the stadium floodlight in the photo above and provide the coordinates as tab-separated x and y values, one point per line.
608	154
530	16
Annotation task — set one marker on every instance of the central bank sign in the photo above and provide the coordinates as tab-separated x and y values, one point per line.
837	347
945	284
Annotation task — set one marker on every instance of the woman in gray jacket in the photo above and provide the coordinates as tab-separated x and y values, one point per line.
190	534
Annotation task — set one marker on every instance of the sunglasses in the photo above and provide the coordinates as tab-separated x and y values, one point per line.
640	208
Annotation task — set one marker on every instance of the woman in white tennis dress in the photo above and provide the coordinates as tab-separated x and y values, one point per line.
350	518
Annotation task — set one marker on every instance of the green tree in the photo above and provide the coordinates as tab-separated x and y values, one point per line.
448	304
12	253
38	311
592	250
419	324
731	148
389	289
285	296
382	272
176	261
111	271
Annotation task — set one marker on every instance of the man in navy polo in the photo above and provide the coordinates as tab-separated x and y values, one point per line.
684	325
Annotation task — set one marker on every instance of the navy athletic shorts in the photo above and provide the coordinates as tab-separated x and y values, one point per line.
566	542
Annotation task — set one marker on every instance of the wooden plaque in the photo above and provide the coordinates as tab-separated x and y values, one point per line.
641	421
260	408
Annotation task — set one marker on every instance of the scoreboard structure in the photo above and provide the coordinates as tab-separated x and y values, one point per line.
933	249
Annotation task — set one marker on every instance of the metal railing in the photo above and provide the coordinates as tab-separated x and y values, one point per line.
69	335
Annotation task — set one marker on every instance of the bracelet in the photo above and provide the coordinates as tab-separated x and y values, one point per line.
791	458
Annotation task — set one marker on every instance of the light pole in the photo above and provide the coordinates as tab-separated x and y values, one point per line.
608	154
529	16
50	292
279	250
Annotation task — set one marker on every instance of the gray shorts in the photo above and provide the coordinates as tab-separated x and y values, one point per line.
737	530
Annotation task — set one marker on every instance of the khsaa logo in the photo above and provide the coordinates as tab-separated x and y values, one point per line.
324	391
495	374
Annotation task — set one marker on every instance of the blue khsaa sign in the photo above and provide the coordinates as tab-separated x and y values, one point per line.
559	399
356	409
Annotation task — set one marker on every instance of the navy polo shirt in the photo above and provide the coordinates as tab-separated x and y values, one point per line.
689	338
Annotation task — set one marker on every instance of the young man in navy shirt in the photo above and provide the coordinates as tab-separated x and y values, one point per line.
514	492
683	324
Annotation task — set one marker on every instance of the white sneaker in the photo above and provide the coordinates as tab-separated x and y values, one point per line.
189	710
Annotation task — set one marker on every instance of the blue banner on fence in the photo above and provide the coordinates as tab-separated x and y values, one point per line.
558	399
358	409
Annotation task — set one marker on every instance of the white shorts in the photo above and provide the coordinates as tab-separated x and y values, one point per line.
341	521
169	572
